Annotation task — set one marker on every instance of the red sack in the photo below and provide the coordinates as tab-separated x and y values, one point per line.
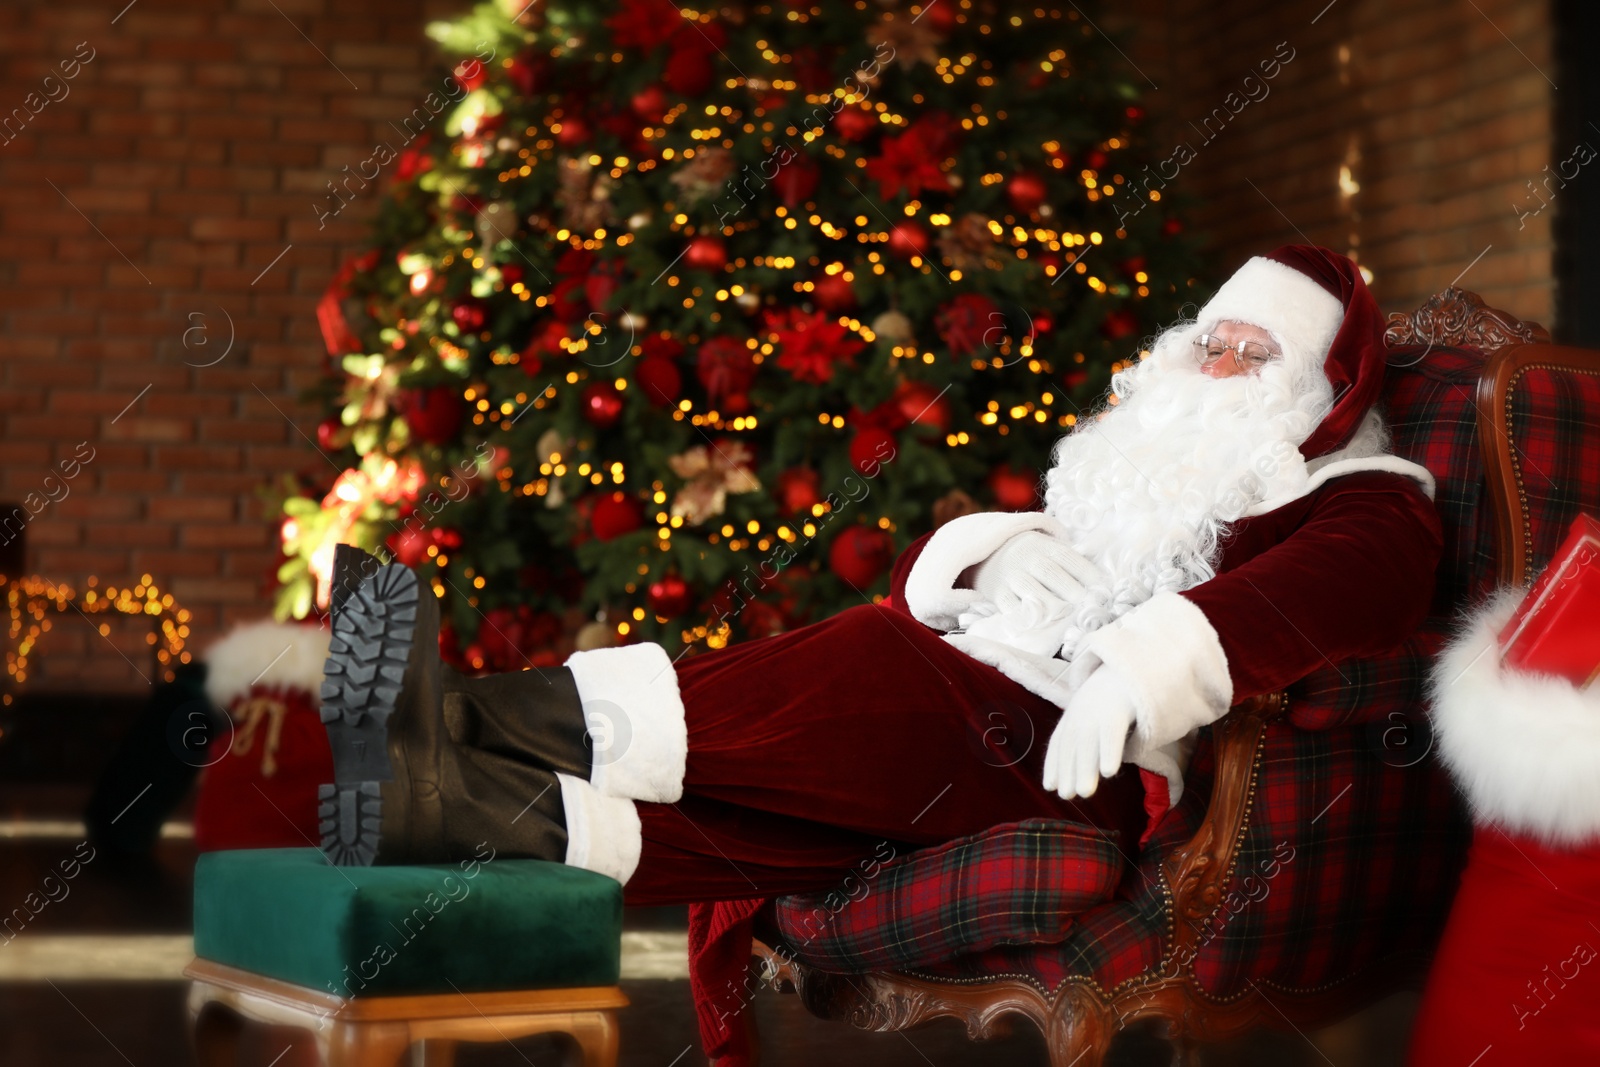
259	786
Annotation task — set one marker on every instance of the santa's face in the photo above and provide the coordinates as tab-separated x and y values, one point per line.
1234	333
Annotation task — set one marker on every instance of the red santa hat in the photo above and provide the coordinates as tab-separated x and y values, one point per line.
1318	309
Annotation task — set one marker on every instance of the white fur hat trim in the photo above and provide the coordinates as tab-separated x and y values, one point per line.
1300	314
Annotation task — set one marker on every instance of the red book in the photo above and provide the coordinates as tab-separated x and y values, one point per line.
1556	628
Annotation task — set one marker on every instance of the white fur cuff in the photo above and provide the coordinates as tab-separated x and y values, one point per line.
275	654
603	833
1524	748
931	595
635	719
1167	653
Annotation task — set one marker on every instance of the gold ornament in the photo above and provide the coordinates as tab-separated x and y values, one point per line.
913	41
592	635
969	243
585	198
894	327
711	475
704	175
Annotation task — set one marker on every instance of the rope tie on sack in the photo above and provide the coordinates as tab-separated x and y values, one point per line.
248	718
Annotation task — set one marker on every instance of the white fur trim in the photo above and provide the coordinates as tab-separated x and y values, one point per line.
1326	473
635	718
1044	675
603	833
1301	315
931	595
1367	451
1524	748
1168	654
278	654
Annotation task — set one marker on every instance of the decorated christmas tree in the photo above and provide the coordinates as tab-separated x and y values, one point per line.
678	324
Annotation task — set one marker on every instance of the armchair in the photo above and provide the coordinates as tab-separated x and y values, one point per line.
1310	866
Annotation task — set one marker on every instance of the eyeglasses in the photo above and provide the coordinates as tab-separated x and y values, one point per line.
1247	355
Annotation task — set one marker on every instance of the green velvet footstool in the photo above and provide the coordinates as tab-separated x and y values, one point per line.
374	959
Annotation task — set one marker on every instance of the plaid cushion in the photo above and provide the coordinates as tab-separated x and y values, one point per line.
1020	883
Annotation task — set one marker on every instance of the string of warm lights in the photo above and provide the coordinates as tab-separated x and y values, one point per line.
31	600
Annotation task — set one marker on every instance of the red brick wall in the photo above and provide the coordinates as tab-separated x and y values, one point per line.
178	163
1441	110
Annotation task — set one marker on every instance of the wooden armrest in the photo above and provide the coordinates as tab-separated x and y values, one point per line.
1197	872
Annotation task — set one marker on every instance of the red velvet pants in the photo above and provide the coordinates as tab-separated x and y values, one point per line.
810	748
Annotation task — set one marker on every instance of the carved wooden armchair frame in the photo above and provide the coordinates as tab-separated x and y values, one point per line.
1080	1019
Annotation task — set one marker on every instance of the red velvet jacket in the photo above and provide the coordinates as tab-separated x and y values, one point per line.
1344	571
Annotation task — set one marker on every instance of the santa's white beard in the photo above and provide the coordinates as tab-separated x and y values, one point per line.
1147	489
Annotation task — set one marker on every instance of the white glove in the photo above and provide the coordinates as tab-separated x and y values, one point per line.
1034	568
1088	742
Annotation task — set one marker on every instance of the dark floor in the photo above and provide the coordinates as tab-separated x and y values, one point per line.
45	1023
48	1020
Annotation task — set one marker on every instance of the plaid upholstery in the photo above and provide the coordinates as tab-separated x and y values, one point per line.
1355	838
1020	883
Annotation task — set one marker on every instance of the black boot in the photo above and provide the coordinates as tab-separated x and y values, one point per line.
351	567
411	783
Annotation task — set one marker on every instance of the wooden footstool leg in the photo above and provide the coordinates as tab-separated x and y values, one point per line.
434	1053
368	1044
596	1034
216	1032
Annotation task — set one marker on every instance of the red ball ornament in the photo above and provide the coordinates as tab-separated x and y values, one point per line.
602	404
529	72
907	239
1074	379
924	406
511	273
796	180
861	554
797	490
433	414
1014	489
689	71
870	449
833	292
660	379
670	596
470	314
650	103
1026	191
410	546
1171	228
1095	159
574	132
706	253
615	514
329	432
1132	265
471	74
1119	324
854	123
939	16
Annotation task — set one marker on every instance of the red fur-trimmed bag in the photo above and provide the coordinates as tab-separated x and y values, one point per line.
1517	977
263	766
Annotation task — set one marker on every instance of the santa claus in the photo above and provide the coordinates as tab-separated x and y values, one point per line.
1229	522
